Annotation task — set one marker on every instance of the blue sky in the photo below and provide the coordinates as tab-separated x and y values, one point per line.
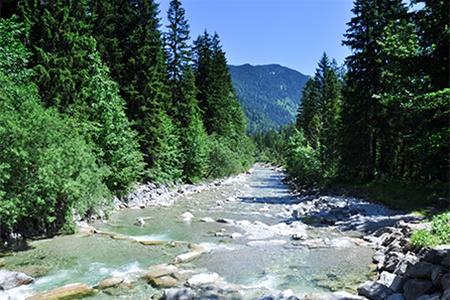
292	33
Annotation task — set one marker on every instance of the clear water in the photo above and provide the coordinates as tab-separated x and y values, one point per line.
277	263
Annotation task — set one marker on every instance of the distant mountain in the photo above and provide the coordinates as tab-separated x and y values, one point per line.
269	94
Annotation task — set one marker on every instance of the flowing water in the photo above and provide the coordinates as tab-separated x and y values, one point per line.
254	261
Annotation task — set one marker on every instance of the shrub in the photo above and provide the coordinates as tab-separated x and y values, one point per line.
438	234
302	161
46	169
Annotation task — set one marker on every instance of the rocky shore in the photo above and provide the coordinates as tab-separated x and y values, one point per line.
403	273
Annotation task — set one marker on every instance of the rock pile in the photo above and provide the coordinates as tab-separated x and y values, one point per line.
347	213
404	274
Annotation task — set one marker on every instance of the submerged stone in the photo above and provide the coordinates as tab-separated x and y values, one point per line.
71	291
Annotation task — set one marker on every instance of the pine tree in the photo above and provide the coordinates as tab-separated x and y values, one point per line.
367	147
319	114
433	24
72	79
176	42
184	105
222	114
130	43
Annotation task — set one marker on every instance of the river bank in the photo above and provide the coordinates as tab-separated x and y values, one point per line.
247	237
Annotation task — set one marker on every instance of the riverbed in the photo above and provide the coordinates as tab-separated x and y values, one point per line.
251	226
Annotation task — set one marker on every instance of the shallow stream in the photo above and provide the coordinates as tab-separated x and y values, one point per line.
258	261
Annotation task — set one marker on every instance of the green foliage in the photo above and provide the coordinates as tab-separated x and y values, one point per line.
438	234
47	169
130	44
101	102
319	116
303	161
168	165
222	116
102	114
223	161
273	146
13	55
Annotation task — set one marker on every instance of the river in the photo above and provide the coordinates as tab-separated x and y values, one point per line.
245	223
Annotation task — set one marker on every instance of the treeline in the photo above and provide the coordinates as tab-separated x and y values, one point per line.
95	97
385	115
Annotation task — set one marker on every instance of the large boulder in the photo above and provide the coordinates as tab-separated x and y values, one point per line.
416	288
71	291
10	279
420	269
374	290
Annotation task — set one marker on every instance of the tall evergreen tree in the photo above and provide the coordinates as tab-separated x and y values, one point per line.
366	146
222	114
130	43
319	114
176	42
433	23
72	78
184	105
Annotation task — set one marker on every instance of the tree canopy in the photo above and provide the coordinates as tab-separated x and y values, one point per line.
96	97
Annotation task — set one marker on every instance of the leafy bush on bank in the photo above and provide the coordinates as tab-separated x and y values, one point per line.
438	234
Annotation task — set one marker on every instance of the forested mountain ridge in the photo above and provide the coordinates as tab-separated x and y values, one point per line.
269	94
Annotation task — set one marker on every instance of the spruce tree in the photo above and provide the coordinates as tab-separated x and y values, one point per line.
366	149
184	105
130	44
320	112
72	79
222	115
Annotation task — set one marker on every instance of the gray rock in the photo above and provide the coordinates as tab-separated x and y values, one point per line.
374	290
446	295
397	296
435	296
333	296
416	288
392	281
434	255
392	261
178	294
436	275
407	260
445	282
420	269
10	279
279	296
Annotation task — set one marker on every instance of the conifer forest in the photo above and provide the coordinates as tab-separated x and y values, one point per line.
96	96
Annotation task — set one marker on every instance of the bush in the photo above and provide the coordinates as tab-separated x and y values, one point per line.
46	169
222	161
302	161
438	234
